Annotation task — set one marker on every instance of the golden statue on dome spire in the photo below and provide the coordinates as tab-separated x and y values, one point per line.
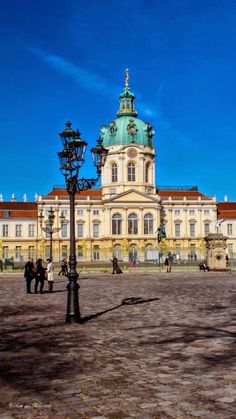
126	77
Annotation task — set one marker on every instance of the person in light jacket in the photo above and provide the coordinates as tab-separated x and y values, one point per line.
50	275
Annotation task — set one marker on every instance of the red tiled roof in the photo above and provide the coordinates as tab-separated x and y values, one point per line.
226	205
226	209
172	192
19	209
20	214
18	205
226	214
63	192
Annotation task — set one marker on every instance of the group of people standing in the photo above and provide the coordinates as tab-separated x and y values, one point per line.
36	271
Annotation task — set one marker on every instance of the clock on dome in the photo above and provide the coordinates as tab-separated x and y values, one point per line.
132	153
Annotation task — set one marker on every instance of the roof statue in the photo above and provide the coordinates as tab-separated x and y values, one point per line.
13	198
126	77
218	225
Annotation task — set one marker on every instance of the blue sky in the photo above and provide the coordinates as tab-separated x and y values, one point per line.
65	60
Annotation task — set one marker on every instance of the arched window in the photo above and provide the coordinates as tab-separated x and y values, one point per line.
114	172
148	249
133	253
80	252
132	224
148	223
147	170
117	251
116	223
131	172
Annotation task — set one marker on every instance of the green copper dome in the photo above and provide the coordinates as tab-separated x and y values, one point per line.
127	128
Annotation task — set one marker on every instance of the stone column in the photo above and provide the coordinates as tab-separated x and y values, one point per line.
216	251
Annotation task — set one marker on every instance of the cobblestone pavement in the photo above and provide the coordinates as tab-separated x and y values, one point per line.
155	345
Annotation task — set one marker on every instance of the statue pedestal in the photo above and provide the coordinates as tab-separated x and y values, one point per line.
216	251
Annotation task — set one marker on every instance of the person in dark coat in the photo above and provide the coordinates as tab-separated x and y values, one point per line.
64	267
114	264
40	277
167	265
30	274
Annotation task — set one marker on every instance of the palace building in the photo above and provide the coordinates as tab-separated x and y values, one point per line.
127	214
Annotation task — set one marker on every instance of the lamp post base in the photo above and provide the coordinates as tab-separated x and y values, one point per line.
73	311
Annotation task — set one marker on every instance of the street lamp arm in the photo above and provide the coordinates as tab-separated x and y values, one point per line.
84	184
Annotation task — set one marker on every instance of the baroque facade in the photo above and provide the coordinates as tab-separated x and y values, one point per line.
123	217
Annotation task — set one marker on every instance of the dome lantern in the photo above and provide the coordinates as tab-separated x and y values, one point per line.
127	99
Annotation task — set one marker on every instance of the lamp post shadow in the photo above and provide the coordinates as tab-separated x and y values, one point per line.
125	302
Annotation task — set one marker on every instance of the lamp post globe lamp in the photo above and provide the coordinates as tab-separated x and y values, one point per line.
49	229
71	159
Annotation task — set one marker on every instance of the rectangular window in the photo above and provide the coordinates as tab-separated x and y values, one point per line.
95	230
6	213
230	249
131	172
191	212
5	230
31	251
18	252
64	212
177	211
95	212
80	212
5	252
206	211
18	230
177	229
64	251
192	229
114	173
64	231
230	229
206	228
80	230
192	250
31	230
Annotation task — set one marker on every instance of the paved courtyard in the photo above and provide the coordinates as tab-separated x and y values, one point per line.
154	345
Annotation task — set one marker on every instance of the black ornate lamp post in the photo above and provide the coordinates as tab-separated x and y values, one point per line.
71	159
49	229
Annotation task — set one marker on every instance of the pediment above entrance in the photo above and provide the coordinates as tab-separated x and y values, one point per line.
133	196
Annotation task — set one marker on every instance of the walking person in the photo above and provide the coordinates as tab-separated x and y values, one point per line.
30	274
40	270
167	265
114	264
50	274
64	267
